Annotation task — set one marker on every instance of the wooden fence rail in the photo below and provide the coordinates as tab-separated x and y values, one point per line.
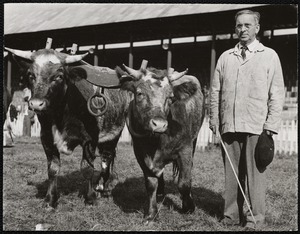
285	142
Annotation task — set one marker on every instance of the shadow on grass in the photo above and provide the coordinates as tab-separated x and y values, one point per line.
131	197
67	184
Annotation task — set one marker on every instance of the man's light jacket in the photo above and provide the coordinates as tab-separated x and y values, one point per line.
247	96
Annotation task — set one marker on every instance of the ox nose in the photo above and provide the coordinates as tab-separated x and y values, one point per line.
37	104
158	125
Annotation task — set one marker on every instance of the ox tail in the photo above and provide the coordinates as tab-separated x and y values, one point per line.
175	169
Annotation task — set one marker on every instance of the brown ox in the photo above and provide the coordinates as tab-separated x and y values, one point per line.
59	98
164	119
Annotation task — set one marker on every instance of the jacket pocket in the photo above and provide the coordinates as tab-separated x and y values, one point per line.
258	87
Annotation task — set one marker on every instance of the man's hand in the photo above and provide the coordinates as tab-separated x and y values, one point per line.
214	129
269	133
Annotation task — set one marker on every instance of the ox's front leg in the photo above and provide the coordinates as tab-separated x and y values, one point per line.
108	177
53	160
151	187
87	170
161	186
185	163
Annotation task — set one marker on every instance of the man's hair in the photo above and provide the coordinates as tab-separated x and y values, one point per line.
254	13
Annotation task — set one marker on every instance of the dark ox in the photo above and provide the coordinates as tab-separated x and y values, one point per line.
164	119
59	97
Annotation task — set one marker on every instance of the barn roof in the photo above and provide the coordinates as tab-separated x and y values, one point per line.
28	25
34	17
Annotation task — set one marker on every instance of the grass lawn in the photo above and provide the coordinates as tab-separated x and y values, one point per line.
25	185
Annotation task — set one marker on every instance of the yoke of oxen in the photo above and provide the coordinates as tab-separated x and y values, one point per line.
99	76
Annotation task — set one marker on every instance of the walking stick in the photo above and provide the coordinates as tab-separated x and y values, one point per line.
222	143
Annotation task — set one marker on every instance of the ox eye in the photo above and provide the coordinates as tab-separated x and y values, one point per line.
58	78
139	95
31	78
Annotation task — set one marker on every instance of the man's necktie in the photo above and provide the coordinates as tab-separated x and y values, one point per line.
244	48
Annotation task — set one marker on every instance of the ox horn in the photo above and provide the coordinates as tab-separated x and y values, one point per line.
20	53
134	73
75	58
177	75
186	79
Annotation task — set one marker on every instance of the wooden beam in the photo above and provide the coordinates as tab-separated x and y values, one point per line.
213	57
8	84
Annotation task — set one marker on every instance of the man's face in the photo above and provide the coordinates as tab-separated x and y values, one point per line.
246	28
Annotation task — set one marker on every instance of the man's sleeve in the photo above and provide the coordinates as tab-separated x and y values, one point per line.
215	96
276	96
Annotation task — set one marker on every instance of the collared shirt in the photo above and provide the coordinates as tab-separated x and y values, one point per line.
250	49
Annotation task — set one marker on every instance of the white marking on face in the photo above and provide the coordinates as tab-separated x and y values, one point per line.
59	141
100	187
104	165
165	82
149	77
43	59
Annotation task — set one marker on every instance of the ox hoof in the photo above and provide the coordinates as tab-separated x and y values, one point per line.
106	194
188	209
148	223
150	218
48	207
91	202
91	199
50	202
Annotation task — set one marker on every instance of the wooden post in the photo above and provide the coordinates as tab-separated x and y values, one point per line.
8	84
26	122
96	59
130	58
48	43
169	59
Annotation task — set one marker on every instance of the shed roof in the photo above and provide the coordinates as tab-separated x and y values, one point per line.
34	17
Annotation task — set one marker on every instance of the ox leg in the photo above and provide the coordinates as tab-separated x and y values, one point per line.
151	187
88	171
185	163
108	176
161	186
53	171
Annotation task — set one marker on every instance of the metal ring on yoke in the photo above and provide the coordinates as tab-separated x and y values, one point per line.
98	107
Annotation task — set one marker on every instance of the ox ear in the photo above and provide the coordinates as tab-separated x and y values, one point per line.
126	80
185	87
77	74
23	64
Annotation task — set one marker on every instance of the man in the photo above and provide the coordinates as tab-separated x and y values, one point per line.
246	98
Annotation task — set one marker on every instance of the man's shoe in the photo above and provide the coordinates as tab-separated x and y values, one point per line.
229	222
250	226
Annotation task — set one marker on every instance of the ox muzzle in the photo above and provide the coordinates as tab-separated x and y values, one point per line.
158	125
37	104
